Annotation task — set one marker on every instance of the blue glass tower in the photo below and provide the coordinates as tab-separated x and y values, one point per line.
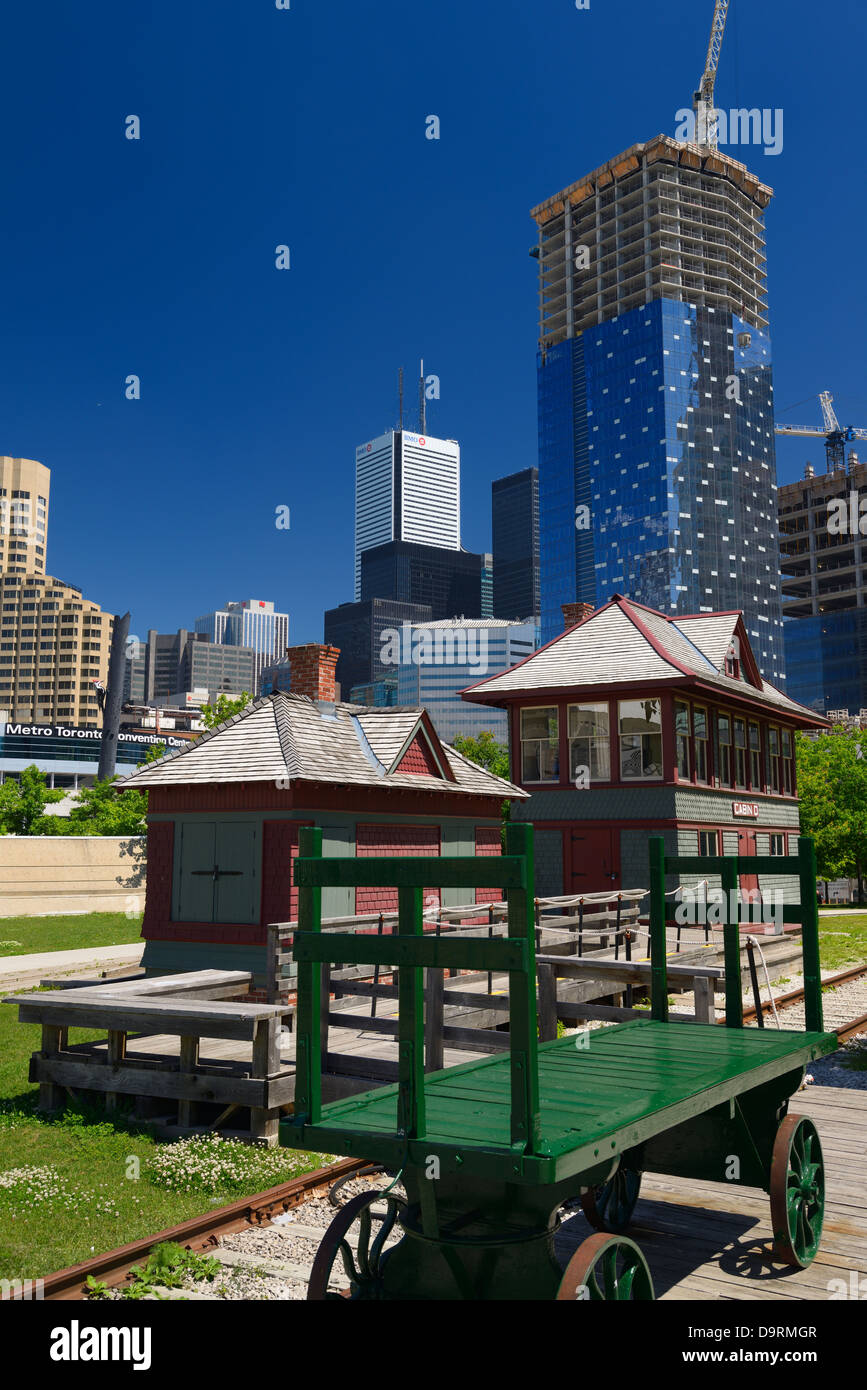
657	474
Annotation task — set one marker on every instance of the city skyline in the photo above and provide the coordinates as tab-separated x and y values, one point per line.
236	419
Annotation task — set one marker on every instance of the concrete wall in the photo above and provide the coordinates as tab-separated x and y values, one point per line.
45	874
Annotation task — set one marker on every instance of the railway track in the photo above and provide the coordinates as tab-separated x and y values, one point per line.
200	1233
795	997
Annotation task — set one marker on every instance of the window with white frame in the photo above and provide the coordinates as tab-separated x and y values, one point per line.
640	740
590	741
540	744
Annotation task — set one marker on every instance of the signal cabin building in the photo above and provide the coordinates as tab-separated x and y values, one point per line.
632	724
224	816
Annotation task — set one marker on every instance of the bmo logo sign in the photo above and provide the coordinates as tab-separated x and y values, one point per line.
418	439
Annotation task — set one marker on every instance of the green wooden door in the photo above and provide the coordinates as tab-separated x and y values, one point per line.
236	897
194	868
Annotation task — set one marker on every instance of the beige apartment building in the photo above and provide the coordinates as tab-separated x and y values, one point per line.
53	642
53	645
24	495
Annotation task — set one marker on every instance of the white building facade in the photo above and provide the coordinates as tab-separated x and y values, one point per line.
252	622
407	488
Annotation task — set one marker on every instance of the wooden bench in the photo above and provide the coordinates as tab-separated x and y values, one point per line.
189	1007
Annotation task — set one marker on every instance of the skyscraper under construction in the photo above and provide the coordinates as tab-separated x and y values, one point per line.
657	474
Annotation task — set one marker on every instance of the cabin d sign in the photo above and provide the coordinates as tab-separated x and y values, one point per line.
749	810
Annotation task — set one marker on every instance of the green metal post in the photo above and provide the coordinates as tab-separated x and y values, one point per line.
410	996
732	944
810	935
523	1037
658	969
308	1057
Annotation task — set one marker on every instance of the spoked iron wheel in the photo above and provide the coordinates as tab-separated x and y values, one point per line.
797	1191
607	1269
364	1266
609	1206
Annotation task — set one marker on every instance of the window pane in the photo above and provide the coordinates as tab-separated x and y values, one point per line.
586	721
754	737
723	726
681	718
640	716
740	734
539	723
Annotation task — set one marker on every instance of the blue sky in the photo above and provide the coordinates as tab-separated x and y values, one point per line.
306	127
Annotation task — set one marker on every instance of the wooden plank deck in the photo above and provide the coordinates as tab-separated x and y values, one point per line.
705	1242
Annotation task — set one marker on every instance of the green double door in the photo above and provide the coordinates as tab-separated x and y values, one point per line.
218	877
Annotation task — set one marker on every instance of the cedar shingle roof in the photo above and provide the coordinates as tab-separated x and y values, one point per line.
286	738
623	643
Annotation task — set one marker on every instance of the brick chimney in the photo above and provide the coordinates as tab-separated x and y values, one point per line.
312	669
576	613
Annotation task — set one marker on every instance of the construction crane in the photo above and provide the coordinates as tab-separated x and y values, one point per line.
835	436
706	123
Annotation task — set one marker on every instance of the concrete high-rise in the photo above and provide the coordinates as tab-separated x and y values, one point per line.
515	532
407	488
25	486
823	542
657	474
252	622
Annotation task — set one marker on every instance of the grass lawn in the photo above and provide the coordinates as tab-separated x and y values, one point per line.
22	936
843	940
87	1198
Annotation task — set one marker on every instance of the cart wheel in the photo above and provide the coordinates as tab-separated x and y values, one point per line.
797	1191
363	1268
607	1268
609	1206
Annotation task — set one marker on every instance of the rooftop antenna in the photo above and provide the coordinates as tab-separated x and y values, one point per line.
421	412
400	398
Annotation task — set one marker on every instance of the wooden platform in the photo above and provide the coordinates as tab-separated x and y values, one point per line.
703	1241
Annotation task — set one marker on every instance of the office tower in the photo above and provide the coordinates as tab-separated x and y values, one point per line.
182	661
358	628
657	475
515	533
53	645
449	581
24	493
440	659
823	556
487	604
407	488
253	622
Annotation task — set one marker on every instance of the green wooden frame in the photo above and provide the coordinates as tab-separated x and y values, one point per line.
729	868
413	953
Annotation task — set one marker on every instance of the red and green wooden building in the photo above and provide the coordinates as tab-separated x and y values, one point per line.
225	812
632	724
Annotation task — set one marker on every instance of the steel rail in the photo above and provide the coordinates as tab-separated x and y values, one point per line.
197	1233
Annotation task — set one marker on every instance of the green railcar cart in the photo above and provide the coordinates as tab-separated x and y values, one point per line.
489	1151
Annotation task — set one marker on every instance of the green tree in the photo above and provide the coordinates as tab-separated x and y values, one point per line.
485	751
493	757
223	709
832	786
101	810
23	803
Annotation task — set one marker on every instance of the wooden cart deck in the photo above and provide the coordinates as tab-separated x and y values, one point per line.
634	1080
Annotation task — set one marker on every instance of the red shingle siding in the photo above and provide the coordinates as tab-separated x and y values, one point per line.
158	892
279	851
488	841
393	840
418	759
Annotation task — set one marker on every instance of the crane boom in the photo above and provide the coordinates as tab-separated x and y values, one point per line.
706	124
836	437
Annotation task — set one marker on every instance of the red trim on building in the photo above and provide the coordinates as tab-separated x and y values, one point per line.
488	842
